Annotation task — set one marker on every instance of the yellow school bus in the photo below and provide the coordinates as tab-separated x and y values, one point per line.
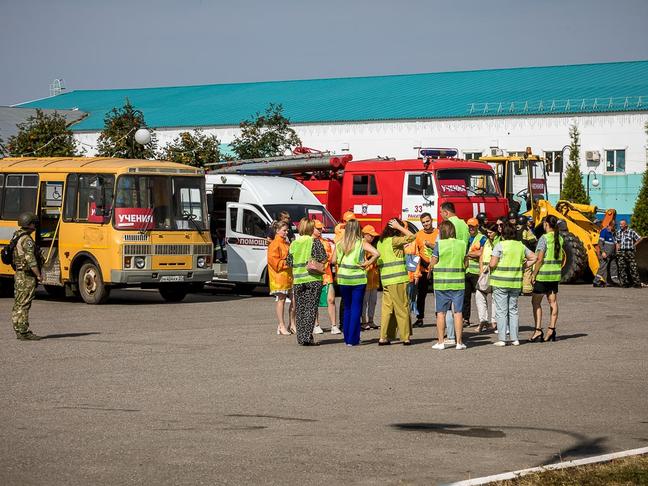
108	223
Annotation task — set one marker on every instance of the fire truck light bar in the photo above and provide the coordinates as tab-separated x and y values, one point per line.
436	153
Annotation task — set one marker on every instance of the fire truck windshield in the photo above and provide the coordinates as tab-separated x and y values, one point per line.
298	211
466	182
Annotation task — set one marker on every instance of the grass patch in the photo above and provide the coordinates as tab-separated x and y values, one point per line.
628	471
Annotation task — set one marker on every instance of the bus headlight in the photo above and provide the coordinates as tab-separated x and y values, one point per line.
140	262
201	261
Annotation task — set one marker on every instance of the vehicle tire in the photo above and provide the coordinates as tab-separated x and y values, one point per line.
574	258
55	291
91	285
174	292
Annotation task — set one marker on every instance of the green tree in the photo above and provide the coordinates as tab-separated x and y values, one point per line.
573	189
43	135
117	139
268	135
639	221
195	149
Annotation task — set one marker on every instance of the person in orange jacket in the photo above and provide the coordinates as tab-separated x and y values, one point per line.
327	297
280	277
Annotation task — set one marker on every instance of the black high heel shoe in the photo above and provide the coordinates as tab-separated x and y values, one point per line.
551	336
538	338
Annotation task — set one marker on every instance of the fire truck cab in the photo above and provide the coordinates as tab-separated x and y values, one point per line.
378	190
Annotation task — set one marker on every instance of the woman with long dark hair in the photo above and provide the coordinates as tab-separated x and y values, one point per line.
546	277
394	279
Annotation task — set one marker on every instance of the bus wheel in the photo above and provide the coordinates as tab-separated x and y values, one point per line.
174	292
91	285
55	291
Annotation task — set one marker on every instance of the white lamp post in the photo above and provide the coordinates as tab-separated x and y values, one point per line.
143	136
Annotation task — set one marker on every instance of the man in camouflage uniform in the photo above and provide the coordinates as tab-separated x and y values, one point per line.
27	276
627	240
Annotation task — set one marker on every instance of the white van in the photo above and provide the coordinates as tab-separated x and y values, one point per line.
241	209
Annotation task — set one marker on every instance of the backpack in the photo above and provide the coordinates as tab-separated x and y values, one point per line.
6	255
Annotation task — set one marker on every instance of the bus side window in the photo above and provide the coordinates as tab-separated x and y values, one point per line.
2	178
70	202
19	195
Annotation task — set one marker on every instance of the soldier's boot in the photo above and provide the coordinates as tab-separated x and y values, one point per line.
28	336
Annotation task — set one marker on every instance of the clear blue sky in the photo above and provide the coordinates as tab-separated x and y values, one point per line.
95	44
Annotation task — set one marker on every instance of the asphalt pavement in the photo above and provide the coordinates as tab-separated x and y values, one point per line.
139	391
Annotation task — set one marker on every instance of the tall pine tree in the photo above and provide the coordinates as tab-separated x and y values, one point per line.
117	139
573	189
639	221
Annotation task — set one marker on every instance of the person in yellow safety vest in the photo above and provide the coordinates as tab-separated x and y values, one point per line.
492	239
448	262
506	269
526	236
352	277
307	284
373	282
395	279
475	245
546	277
327	297
337	238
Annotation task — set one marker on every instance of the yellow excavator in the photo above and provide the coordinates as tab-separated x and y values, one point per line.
522	179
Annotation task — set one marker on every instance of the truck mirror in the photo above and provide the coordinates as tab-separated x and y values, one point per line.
425	182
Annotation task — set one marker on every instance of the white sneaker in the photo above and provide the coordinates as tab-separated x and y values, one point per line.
438	346
499	343
335	330
516	343
495	331
450	342
460	346
318	330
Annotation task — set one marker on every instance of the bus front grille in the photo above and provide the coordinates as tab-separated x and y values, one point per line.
170	249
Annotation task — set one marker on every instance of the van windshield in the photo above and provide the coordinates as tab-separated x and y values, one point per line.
145	202
466	182
298	211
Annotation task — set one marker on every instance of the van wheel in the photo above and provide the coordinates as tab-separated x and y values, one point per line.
174	292
91	285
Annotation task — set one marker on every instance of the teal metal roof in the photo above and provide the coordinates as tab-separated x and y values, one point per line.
585	88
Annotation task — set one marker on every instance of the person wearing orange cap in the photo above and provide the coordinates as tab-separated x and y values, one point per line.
327	297
476	242
373	280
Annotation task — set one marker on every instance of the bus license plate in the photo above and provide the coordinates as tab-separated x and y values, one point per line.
172	278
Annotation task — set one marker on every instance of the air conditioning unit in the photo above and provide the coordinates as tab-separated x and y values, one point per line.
593	155
496	152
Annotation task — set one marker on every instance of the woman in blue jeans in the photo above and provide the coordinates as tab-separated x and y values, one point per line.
352	278
506	267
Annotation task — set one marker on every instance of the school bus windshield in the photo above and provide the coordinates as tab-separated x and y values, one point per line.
146	202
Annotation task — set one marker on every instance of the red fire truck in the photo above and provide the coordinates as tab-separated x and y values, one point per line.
379	189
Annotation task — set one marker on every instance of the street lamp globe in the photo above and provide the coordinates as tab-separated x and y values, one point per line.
595	183
143	136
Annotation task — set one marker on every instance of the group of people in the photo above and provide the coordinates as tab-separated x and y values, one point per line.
619	244
456	260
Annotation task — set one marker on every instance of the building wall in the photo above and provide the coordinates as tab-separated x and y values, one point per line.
599	132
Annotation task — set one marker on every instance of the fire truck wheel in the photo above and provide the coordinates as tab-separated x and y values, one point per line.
174	292
91	285
574	258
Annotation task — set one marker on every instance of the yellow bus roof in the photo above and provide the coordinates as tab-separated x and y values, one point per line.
93	164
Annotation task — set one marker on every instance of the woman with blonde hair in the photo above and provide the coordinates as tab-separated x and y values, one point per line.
305	256
352	277
280	277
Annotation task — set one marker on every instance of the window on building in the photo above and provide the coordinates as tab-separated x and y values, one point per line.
615	160
19	195
554	161
472	155
364	185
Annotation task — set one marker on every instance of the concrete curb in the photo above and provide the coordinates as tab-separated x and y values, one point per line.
549	467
